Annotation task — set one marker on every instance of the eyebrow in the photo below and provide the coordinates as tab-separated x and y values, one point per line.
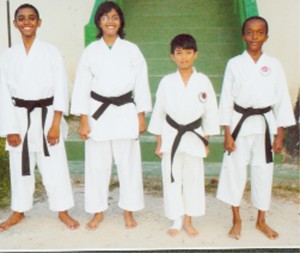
113	15
30	15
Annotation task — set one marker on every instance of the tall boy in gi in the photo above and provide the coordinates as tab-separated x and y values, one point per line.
184	116
254	109
33	97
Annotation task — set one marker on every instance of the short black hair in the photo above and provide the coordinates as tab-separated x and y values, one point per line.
255	18
30	6
104	8
185	41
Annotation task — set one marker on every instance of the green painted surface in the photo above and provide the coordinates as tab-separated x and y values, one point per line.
75	150
152	24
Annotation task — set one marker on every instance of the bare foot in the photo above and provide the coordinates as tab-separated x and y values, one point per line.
188	227
235	231
173	232
68	220
269	232
95	221
14	219
191	231
129	220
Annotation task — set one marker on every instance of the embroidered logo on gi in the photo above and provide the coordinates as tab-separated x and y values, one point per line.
202	97
265	70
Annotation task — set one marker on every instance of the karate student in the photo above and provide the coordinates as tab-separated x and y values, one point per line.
33	97
111	94
254	106
184	116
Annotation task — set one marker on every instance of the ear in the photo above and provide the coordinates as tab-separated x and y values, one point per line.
243	38
173	57
15	24
267	37
39	22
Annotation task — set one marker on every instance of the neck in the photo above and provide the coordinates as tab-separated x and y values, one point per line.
186	74
255	55
109	40
28	41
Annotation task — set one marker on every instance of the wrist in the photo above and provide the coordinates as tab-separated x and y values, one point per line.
280	133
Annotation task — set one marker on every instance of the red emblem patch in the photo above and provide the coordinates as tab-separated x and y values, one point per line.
265	70
202	97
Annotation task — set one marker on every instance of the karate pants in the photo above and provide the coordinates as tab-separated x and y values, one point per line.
186	195
250	150
55	178
99	156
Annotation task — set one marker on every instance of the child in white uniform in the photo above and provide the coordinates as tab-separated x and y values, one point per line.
254	106
111	93
184	116
34	95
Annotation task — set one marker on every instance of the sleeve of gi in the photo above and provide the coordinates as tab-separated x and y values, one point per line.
283	109
158	114
81	90
61	86
226	99
142	94
210	119
8	119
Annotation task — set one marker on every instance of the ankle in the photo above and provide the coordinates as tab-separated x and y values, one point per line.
128	213
261	222
236	221
62	213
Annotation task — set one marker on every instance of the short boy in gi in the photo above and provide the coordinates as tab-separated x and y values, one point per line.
184	116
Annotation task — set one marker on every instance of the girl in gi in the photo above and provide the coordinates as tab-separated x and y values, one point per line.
254	106
33	97
111	94
184	116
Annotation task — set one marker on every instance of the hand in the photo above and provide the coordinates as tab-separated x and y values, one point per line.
157	152
84	128
207	150
53	135
206	137
142	123
229	144
14	140
158	146
278	141
54	131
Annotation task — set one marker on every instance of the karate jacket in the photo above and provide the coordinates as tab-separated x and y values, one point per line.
257	85
40	74
185	104
112	73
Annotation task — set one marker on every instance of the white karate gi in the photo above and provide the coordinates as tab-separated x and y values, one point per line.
184	104
112	73
256	85
38	75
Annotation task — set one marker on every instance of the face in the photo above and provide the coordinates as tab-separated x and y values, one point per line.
255	35
27	22
110	23
184	58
